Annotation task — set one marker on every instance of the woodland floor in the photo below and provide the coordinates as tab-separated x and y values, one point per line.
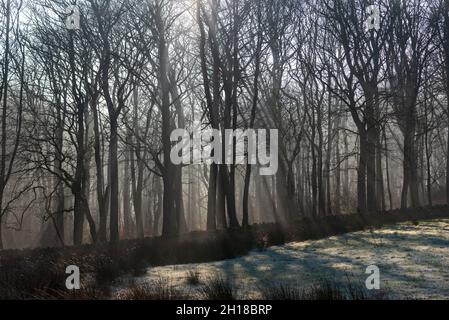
304	257
413	259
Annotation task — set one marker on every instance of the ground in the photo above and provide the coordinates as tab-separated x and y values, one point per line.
413	259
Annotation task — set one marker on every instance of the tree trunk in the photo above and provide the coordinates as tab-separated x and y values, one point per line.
127	221
212	198
387	169
379	176
1	230
170	227
158	205
445	40
361	175
113	173
371	170
179	202
337	201
59	184
330	134
77	186
221	200
102	195
346	192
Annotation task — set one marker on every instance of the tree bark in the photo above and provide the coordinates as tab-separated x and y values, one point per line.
127	220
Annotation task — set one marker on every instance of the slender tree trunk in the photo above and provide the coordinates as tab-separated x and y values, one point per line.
329	151
158	205
447	162
113	173
1	229
371	170
221	200
211	198
5	84
379	176
410	182
387	169
314	178
213	115
102	195
190	201
179	201
428	154
149	221
446	64
337	201
87	178
128	229
346	192
361	175
321	181
59	184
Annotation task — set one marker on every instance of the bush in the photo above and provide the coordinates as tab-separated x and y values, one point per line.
327	289
160	290
105	270
25	281
281	291
218	288
323	289
85	293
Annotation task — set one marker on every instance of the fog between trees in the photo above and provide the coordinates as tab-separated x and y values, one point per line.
86	115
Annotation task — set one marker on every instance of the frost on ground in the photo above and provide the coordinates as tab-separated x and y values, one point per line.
413	259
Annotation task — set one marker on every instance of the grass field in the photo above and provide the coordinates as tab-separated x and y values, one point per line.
413	259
